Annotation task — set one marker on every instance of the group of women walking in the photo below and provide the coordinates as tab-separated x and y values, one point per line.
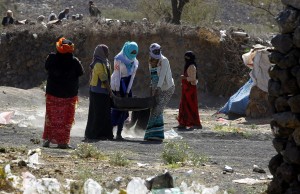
62	90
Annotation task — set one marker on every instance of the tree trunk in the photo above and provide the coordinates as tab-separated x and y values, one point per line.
177	7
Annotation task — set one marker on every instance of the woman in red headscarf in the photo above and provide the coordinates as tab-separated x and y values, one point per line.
63	71
188	109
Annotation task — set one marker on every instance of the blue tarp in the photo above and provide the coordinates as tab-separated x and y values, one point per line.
238	102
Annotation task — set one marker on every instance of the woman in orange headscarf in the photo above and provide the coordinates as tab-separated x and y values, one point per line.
61	93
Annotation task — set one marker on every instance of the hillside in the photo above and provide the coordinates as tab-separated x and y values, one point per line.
230	11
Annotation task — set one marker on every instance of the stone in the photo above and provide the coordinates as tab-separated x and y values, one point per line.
294	103
274	88
287	172
292	153
258	169
279	144
293	3
290	60
281	104
295	71
274	72
274	163
288	20
283	43
287	120
275	57
296	37
290	86
160	182
258	106
280	132
296	136
275	187
272	100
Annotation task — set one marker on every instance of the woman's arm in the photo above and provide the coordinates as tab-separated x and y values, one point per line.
132	78
191	72
163	72
116	76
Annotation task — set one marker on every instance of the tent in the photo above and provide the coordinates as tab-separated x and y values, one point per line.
257	60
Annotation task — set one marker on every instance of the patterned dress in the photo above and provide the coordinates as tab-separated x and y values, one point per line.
155	126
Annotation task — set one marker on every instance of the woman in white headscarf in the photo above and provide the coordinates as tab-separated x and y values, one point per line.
163	88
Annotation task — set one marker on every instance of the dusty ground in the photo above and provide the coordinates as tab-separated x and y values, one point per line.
248	144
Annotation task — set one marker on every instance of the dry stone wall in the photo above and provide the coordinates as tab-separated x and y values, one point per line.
23	50
284	96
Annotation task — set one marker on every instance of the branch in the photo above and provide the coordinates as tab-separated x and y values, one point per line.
252	4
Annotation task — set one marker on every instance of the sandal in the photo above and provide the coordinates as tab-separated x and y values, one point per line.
46	143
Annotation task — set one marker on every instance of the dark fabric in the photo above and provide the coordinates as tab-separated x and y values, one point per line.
63	15
190	58
4	21
63	75
140	119
99	117
119	117
188	109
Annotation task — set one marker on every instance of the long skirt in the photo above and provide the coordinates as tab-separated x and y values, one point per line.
155	126
119	117
60	113
188	109
99	117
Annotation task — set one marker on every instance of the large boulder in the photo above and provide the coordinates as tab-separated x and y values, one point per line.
296	38
293	3
287	120
283	42
290	60
288	20
294	103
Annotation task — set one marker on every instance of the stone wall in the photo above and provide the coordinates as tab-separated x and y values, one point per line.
284	96
23	50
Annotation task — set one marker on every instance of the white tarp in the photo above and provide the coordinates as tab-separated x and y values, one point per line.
257	59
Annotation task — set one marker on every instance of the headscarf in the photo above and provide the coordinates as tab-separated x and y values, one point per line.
128	48
189	58
9	13
127	57
64	46
155	51
100	55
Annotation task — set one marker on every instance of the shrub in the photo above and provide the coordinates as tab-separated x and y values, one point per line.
85	150
118	159
175	153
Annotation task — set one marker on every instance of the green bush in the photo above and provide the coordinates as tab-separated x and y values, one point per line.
85	150
175	153
118	159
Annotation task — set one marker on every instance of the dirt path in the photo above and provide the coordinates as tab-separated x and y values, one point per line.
247	145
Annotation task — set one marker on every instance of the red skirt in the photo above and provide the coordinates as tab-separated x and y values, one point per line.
188	109
60	114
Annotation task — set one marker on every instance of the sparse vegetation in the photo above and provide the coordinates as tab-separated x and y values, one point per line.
85	150
118	159
178	153
224	129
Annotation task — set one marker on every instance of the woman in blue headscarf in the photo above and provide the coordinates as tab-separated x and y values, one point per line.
125	66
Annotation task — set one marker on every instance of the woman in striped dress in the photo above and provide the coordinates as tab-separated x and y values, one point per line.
163	88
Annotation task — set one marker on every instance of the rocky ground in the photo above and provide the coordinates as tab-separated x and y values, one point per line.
239	143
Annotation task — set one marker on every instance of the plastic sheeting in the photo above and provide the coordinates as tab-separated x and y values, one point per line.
238	102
